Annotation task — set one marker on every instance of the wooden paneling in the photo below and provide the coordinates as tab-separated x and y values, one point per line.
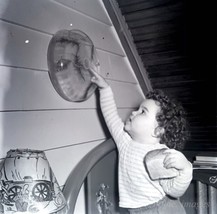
91	8
165	32
15	52
72	155
45	130
48	129
34	54
160	10
116	67
54	17
129	5
38	92
126	91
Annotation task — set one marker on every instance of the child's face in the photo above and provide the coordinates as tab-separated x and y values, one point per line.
142	123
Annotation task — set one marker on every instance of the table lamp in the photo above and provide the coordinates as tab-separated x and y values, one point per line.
28	184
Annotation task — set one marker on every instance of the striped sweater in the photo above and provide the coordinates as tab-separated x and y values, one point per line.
136	189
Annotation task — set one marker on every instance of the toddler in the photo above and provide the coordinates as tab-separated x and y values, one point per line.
157	124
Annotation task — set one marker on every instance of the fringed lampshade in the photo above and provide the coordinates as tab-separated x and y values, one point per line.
28	184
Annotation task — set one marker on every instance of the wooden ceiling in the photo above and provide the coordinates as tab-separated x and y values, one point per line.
176	41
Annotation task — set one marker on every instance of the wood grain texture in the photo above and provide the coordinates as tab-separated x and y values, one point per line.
164	33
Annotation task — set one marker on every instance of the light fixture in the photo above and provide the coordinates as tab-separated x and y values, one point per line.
69	56
28	184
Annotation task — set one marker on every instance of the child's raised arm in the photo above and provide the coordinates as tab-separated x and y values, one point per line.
109	109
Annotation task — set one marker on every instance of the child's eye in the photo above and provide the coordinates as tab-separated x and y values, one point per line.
143	111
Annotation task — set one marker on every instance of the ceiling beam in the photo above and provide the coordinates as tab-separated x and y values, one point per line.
128	44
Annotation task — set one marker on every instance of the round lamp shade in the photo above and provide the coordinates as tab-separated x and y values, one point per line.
70	52
28	184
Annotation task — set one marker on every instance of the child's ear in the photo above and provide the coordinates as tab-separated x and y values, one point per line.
159	131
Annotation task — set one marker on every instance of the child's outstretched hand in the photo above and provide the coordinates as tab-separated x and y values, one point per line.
175	159
96	77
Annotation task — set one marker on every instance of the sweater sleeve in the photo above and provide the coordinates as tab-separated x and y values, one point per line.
112	119
176	187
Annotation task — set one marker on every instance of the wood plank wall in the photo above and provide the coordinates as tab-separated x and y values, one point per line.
32	114
176	40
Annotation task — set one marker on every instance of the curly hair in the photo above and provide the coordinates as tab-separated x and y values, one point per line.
172	118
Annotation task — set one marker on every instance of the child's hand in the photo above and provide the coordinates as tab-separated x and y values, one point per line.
175	159
97	78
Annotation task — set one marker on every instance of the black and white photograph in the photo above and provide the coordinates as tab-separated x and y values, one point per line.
108	107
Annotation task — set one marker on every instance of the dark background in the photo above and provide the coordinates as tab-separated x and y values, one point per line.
176	40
